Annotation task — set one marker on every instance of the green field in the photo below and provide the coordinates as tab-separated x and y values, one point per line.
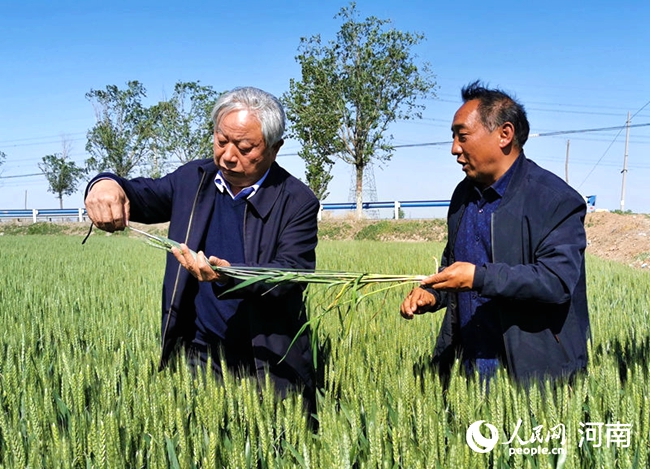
79	386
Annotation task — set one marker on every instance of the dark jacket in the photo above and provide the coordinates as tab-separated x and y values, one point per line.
280	229
537	274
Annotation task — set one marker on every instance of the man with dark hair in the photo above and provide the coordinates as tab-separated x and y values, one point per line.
239	207
513	271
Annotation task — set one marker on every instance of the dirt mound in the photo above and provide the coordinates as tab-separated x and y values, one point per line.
622	238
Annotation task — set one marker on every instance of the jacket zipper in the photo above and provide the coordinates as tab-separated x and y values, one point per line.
244	232
494	259
178	272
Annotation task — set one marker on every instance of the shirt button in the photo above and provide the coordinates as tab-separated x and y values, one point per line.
480	210
476	238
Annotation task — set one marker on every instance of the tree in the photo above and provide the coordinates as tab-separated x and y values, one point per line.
317	171
352	89
314	122
158	158
120	140
62	175
182	125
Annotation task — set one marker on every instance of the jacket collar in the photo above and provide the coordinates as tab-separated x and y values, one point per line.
520	170
266	195
269	192
202	209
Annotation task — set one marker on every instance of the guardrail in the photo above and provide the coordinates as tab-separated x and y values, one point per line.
80	213
45	213
395	205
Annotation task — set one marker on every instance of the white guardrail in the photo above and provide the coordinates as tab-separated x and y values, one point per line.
46	214
79	214
396	205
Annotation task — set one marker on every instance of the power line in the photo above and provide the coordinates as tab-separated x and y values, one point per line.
614	140
21	176
428	144
567	111
39	143
543	134
47	140
27	139
561	105
564	132
637	112
448	142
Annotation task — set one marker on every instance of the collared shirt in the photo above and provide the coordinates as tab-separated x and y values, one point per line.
246	192
480	330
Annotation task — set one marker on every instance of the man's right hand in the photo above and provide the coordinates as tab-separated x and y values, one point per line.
419	301
107	206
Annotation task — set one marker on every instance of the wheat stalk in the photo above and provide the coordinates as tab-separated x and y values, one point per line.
277	276
354	283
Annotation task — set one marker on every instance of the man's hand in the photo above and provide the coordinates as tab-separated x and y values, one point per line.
419	301
201	267
107	206
457	277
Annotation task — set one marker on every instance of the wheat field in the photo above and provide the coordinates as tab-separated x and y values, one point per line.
80	386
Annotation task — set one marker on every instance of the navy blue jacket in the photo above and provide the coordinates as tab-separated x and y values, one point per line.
537	274
280	229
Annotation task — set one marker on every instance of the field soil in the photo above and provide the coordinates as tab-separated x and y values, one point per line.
618	237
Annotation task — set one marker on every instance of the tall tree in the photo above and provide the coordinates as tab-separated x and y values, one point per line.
62	175
317	170
313	121
120	140
182	125
351	91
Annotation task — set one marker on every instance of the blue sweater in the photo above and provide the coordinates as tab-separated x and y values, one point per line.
223	239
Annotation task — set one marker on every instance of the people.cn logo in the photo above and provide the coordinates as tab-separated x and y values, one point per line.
477	441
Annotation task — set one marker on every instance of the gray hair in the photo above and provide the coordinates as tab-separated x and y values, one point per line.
266	107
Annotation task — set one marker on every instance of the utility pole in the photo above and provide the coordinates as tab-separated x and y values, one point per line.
566	162
627	138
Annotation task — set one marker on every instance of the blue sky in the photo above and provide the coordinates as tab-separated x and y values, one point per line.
574	65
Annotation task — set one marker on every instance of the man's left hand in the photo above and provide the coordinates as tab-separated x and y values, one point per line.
201	267
459	276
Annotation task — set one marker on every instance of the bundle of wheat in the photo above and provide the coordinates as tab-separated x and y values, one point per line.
273	276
